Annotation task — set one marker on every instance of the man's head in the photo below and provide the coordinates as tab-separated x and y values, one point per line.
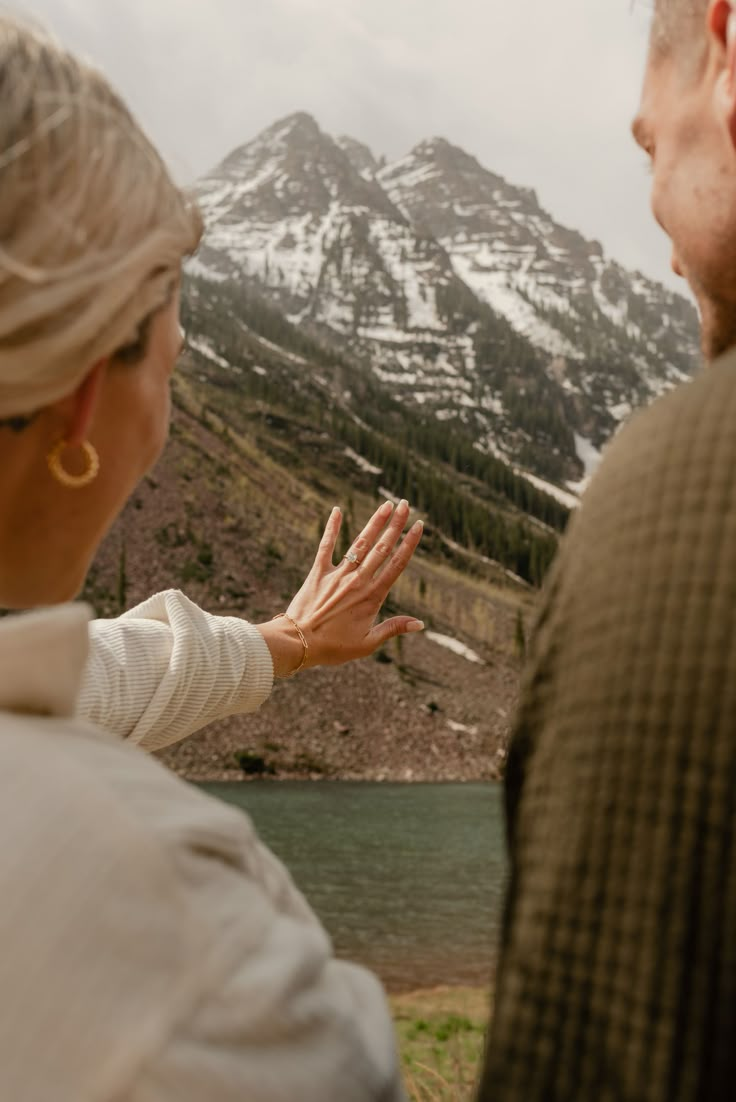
687	126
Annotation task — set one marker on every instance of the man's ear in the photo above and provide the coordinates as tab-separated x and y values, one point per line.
722	28
80	407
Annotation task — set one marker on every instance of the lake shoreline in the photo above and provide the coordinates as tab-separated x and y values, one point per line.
441	992
450	989
215	775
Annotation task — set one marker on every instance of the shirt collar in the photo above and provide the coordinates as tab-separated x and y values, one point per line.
42	659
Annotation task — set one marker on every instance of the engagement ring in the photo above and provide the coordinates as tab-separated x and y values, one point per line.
351	556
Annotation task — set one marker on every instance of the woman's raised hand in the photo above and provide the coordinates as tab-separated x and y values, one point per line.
337	607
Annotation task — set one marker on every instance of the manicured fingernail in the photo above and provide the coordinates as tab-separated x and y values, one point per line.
336	510
386	507
419	526
403	504
415	625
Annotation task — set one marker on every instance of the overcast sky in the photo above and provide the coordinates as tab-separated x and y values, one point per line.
541	91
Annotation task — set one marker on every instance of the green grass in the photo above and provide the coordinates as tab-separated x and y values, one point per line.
441	1033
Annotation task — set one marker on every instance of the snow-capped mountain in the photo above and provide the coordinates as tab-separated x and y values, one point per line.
454	288
291	211
617	338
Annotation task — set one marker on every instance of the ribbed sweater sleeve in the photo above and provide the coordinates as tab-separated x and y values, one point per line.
166	669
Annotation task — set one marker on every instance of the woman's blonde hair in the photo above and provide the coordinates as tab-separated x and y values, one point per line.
92	228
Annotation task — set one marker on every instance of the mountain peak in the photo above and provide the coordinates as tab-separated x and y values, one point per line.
437	144
299	129
446	155
299	122
360	155
434	160
292	169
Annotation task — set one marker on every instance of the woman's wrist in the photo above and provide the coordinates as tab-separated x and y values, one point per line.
286	644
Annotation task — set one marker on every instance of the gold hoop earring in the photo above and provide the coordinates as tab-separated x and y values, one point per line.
74	481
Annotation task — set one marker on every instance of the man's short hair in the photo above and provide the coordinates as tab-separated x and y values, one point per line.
677	21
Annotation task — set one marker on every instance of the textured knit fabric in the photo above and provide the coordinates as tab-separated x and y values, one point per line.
166	669
152	949
617	979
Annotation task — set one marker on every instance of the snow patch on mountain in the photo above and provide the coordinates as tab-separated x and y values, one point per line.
361	463
590	457
196	268
204	347
492	287
570	501
454	645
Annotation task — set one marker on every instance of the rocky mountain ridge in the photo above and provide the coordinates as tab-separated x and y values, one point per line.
452	288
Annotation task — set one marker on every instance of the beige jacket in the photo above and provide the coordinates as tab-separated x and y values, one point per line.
153	949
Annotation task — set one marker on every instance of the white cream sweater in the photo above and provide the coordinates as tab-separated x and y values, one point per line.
167	668
152	949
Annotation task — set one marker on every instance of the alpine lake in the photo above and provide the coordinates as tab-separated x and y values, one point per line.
407	878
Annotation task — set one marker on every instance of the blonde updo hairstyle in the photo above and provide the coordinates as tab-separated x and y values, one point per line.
92	228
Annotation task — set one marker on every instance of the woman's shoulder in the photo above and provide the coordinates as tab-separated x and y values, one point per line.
72	780
94	903
55	764
129	888
73	795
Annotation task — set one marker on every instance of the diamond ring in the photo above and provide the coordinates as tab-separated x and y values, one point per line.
352	557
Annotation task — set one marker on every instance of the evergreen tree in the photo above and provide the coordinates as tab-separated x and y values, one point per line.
122	581
520	635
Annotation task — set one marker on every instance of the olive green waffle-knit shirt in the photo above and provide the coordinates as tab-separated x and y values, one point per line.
617	976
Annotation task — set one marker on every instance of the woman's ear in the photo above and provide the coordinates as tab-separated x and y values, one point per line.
80	407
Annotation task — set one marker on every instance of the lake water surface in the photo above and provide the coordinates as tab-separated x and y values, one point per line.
407	878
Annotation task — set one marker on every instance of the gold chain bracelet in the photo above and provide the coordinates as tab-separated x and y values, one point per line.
300	633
